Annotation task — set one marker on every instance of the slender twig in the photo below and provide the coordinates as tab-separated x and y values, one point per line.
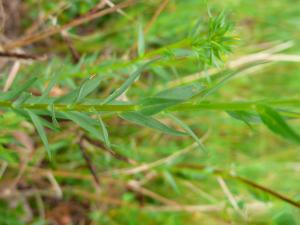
57	29
57	189
230	197
75	54
185	208
12	75
109	150
267	190
148	166
88	161
14	55
2	18
134	186
245	181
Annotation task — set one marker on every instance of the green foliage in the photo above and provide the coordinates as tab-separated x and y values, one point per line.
180	92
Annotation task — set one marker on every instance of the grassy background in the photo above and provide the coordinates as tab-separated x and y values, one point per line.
253	153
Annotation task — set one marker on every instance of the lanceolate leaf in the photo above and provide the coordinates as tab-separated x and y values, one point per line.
147	121
189	131
21	88
182	92
53	116
275	122
245	116
141	40
85	122
131	79
104	131
40	129
88	87
168	98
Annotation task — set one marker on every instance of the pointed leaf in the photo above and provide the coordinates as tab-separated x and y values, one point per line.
169	97
85	122
275	122
189	131
88	87
141	40
147	121
171	181
104	131
131	79
21	88
53	116
40	129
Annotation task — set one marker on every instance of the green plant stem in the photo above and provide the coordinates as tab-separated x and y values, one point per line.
219	106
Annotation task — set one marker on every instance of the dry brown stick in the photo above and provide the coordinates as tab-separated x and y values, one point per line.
14	55
110	151
2	18
88	161
11	75
230	197
267	190
135	187
245	181
75	54
54	30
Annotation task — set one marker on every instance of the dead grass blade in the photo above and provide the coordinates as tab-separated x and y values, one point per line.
57	29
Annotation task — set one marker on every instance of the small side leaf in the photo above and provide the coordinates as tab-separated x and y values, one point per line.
189	131
127	83
171	181
104	131
150	122
141	40
53	116
168	98
88	87
16	92
275	122
40	129
85	122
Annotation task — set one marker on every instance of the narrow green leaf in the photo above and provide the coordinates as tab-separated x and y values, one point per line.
246	117
220	84
131	79
85	122
21	88
181	92
141	40
88	87
171	181
53	116
46	92
169	97
104	131
22	99
189	131
275	122
150	122
40	129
